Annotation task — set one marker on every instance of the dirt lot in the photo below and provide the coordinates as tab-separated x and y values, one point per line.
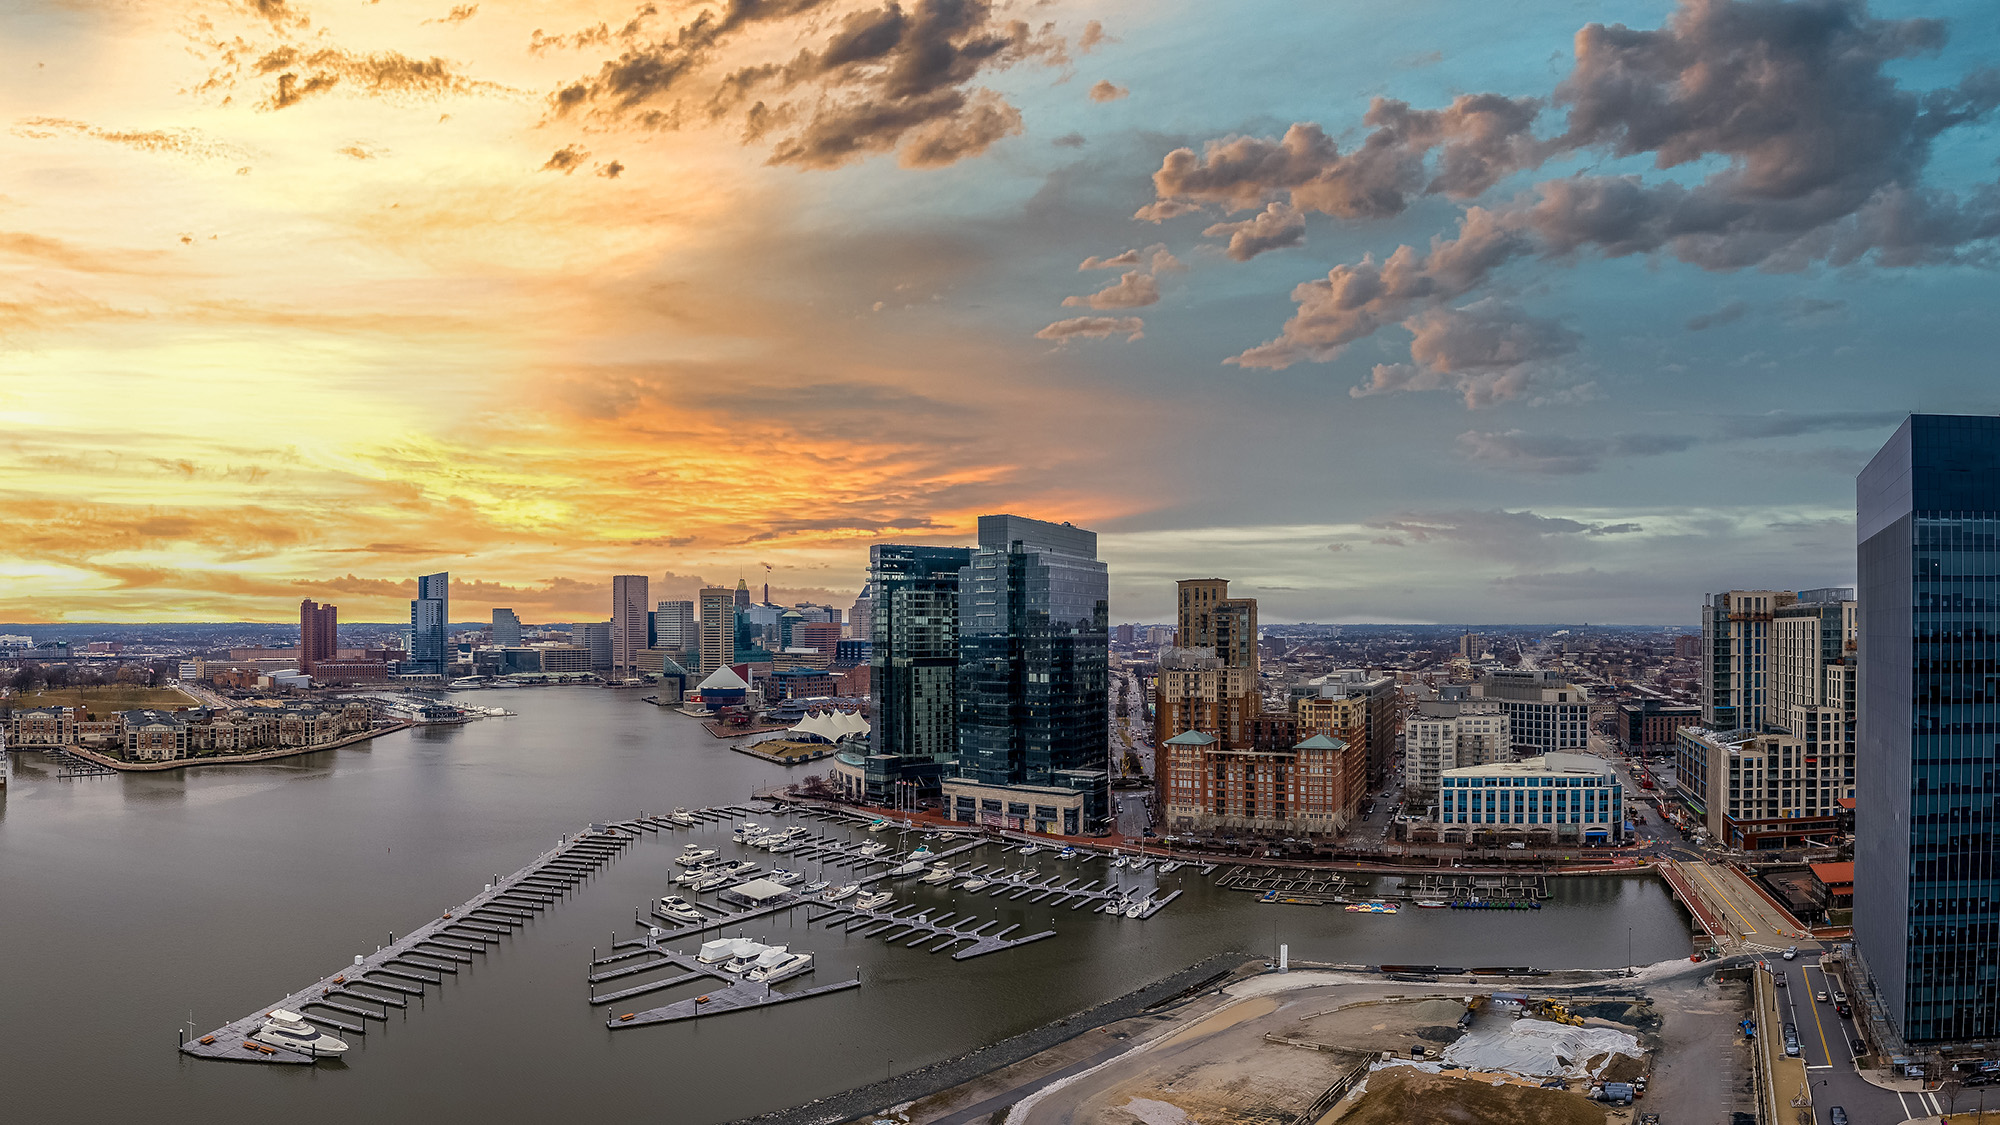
101	701
1399	1095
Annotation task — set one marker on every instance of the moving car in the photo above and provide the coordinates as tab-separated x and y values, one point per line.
1778	978
1837	1115
1791	953
1822	997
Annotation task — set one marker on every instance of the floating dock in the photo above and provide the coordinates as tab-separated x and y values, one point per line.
422	959
734	995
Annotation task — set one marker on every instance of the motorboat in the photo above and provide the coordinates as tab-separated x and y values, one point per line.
694	855
1432	904
874	901
872	847
785	846
715	881
1139	908
814	887
679	909
722	951
1140	863
923	852
880	825
291	1031
737	867
786	878
793	965
1030	849
1067	853
743	962
910	868
975	884
683	818
939	873
796	831
1119	861
1113	905
929	836
1170	866
844	891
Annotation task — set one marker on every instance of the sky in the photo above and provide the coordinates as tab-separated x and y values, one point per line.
1426	311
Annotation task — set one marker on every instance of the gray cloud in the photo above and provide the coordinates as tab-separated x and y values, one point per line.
1093	327
1134	288
567	159
1488	352
1781	423
1277	227
1563	454
1727	314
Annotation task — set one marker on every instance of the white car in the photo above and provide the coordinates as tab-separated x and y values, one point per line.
1791	953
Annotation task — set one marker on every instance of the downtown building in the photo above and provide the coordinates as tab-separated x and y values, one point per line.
506	629
319	634
630	632
1787	672
1546	713
1033	684
1363	709
1446	734
1927	865
912	654
718	626
430	626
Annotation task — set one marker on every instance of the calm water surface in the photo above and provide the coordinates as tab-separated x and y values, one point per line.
128	903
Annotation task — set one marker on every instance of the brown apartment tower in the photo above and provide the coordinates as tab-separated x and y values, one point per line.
319	634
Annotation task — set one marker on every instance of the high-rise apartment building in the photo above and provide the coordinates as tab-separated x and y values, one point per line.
1449	734
1471	646
1362	709
596	636
628	622
506	628
319	634
1033	658
718	627
1735	662
430	619
1927	870
913	664
674	627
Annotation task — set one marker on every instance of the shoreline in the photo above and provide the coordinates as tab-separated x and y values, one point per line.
232	759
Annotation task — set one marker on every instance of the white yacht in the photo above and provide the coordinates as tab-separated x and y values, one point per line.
786	878
975	884
291	1031
715	881
880	826
939	873
906	869
725	949
1030	849
679	909
872	847
1118	862
1140	907
694	854
814	887
844	891
792	965
874	901
1113	905
1170	866
923	852
784	845
745	960
1066	853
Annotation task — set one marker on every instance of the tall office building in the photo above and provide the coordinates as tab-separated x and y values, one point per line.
674	627
718	627
913	664
506	628
1471	646
319	634
1033	658
430	619
1736	653
860	618
596	637
743	594
628	622
1926	871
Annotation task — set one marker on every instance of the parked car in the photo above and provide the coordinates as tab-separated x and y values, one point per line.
1839	997
1860	1048
1842	1010
1791	1048
1778	978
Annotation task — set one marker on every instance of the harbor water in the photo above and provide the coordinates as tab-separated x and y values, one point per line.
132	905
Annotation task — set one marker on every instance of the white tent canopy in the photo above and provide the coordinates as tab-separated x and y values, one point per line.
723	679
832	726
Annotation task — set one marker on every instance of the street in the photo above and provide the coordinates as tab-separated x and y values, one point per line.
1824	1045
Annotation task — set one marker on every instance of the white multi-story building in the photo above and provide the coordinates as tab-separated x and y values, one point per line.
1735	661
1554	797
1447	735
1546	713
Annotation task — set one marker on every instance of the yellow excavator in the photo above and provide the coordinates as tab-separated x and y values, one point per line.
1551	1010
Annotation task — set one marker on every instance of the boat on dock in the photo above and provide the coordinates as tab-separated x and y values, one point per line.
814	887
748	959
1067	853
1373	908
923	852
837	894
679	909
872	847
1115	904
715	881
1139	907
786	878
1140	863
880	825
975	884
1432	904
1117	860
694	854
1170	867
940	872
290	1031
906	869
793	964
1030	849
875	900
683	818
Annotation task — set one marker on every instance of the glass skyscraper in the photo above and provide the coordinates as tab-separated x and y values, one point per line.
1033	672
913	663
1926	891
430	615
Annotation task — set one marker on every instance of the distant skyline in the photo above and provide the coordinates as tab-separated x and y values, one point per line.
1415	312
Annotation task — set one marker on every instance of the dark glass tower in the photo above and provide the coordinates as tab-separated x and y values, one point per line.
1033	659
1926	891
913	663
430	614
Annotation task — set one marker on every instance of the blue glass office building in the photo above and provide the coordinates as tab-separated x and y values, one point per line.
912	654
1926	885
430	615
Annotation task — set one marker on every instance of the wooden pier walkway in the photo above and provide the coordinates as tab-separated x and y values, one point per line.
422	959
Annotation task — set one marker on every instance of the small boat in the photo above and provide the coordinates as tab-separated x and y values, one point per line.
1170	866
1140	907
939	873
746	958
737	867
291	1031
844	891
694	855
786	846
1113	905
679	909
1067	853
921	853
1140	863
1372	908
975	884
792	965
1030	849
880	826
814	887
1118	862
910	868
874	901
786	878
682	817
715	881
872	847
930	836
775	955
1432	904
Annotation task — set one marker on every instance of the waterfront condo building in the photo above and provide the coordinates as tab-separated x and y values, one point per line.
913	666
1927	869
319	634
1363	710
430	621
718	627
1735	662
628	622
1546	712
1446	734
1033	685
506	629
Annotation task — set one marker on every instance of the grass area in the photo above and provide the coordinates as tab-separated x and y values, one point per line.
106	699
786	748
1402	1094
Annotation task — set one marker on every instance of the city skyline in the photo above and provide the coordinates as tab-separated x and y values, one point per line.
1012	300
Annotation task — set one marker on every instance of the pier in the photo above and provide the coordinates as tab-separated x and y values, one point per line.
734	995
899	923
422	959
